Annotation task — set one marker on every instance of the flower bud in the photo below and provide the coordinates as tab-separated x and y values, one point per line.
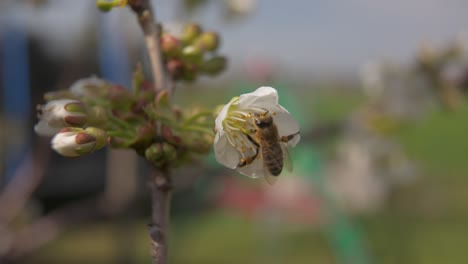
170	45
119	95
169	136
160	153
190	33
193	54
104	6
90	87
73	142
208	41
145	135
175	68
214	66
107	5
99	134
97	116
58	114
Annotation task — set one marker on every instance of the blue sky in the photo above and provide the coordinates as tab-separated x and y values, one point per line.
302	35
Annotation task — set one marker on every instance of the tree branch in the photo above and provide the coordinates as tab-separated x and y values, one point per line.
147	21
160	182
161	192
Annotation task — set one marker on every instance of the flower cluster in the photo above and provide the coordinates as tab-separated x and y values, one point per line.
191	53
236	128
94	113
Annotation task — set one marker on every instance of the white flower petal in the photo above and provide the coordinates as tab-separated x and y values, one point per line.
81	86
225	153
287	125
253	170
263	97
42	128
53	117
64	143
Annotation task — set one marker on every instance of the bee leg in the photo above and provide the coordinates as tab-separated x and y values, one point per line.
286	139
246	161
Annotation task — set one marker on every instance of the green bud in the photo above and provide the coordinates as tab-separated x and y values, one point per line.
170	152
160	153
214	66
192	54
208	41
100	136
97	116
104	6
75	107
190	33
143	138
118	95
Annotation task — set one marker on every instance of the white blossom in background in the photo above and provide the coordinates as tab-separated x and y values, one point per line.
234	122
75	142
372	79
91	86
242	6
58	114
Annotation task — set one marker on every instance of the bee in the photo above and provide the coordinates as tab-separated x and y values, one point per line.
270	145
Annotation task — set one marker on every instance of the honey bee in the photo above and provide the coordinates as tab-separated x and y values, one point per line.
270	145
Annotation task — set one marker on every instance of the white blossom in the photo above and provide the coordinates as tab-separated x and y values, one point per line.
91	86
75	142
58	114
235	122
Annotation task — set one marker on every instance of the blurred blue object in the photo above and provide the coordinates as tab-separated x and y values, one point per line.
16	92
113	58
15	74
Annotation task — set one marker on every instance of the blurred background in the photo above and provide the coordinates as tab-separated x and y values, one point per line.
380	175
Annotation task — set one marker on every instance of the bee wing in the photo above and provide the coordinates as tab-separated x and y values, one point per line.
271	179
287	161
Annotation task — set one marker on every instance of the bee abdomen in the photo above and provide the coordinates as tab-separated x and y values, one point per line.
273	161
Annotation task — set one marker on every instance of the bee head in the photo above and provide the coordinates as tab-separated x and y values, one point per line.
263	120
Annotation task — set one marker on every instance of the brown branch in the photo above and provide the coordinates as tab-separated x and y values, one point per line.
161	192
147	21
160	182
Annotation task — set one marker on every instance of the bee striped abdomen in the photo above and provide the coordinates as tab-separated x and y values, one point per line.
273	158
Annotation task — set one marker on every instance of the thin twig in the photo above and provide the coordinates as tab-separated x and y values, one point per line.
147	21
